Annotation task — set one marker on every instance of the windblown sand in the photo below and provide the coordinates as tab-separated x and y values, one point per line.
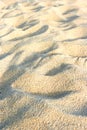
43	65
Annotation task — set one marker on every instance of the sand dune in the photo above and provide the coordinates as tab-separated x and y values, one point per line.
43	65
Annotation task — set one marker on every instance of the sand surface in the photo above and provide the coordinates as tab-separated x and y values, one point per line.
43	65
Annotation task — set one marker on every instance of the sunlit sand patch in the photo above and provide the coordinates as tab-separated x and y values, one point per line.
76	49
14	21
54	83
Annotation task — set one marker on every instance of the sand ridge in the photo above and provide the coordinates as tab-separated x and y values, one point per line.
43	65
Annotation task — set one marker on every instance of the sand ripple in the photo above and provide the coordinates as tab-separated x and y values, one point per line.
43	65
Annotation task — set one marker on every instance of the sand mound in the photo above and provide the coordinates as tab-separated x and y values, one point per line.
43	65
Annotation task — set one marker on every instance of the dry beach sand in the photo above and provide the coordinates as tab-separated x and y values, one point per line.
43	64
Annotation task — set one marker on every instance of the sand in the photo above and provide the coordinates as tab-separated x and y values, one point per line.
43	65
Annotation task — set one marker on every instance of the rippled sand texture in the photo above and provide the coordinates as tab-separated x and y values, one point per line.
43	65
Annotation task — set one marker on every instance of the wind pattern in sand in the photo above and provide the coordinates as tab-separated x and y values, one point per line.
43	65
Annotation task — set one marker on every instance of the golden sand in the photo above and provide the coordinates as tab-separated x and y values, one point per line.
43	65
